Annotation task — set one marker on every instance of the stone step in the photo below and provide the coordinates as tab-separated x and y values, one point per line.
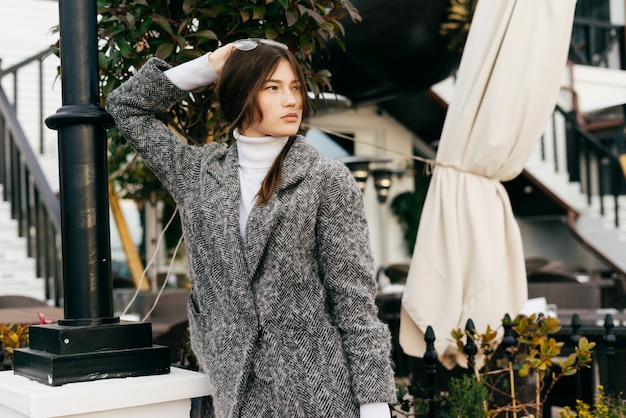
11	244
34	288
8	228
18	265
13	250
559	185
18	272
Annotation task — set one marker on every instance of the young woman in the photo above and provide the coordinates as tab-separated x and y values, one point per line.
281	310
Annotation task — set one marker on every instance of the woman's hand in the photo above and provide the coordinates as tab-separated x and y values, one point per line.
219	57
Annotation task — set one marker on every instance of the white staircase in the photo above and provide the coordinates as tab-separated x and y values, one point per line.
597	89
17	271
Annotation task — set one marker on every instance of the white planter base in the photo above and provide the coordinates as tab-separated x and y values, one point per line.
159	396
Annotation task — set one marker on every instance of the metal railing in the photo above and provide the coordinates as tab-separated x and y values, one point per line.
14	70
33	204
599	41
594	41
592	162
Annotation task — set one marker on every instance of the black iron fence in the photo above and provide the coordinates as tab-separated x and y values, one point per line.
430	380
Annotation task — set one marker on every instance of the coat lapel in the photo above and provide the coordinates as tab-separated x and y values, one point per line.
223	216
263	218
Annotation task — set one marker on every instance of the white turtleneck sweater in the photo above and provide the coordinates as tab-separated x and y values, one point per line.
256	156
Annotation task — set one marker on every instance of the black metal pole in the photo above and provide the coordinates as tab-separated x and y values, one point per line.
90	343
83	173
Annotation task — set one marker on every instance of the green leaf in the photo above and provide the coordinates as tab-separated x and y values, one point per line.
206	34
354	13
124	47
316	16
164	50
258	12
163	22
145	25
292	17
188	7
271	33
211	13
183	25
181	41
324	73
245	16
306	46
129	19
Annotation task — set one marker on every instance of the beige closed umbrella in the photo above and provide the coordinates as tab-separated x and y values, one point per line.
468	260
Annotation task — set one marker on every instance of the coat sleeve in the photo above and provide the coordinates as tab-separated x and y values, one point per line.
135	107
347	269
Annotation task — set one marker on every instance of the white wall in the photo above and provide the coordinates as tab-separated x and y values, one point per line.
552	240
25	27
618	14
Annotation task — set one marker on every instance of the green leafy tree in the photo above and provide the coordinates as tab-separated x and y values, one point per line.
132	31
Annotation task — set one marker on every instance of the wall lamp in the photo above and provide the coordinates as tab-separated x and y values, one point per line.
359	166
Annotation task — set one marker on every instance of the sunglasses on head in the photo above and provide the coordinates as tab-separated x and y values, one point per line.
251	43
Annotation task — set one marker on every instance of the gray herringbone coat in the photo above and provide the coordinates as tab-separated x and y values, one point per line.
288	314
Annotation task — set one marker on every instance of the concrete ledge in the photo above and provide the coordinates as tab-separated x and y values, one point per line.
166	396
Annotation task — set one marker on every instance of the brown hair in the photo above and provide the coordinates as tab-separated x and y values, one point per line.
242	78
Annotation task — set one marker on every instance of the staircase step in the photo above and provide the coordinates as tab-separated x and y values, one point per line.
23	264
10	241
9	227
559	185
15	250
5	207
18	276
12	278
34	288
18	272
5	211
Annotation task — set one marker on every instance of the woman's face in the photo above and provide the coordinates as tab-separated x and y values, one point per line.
280	102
